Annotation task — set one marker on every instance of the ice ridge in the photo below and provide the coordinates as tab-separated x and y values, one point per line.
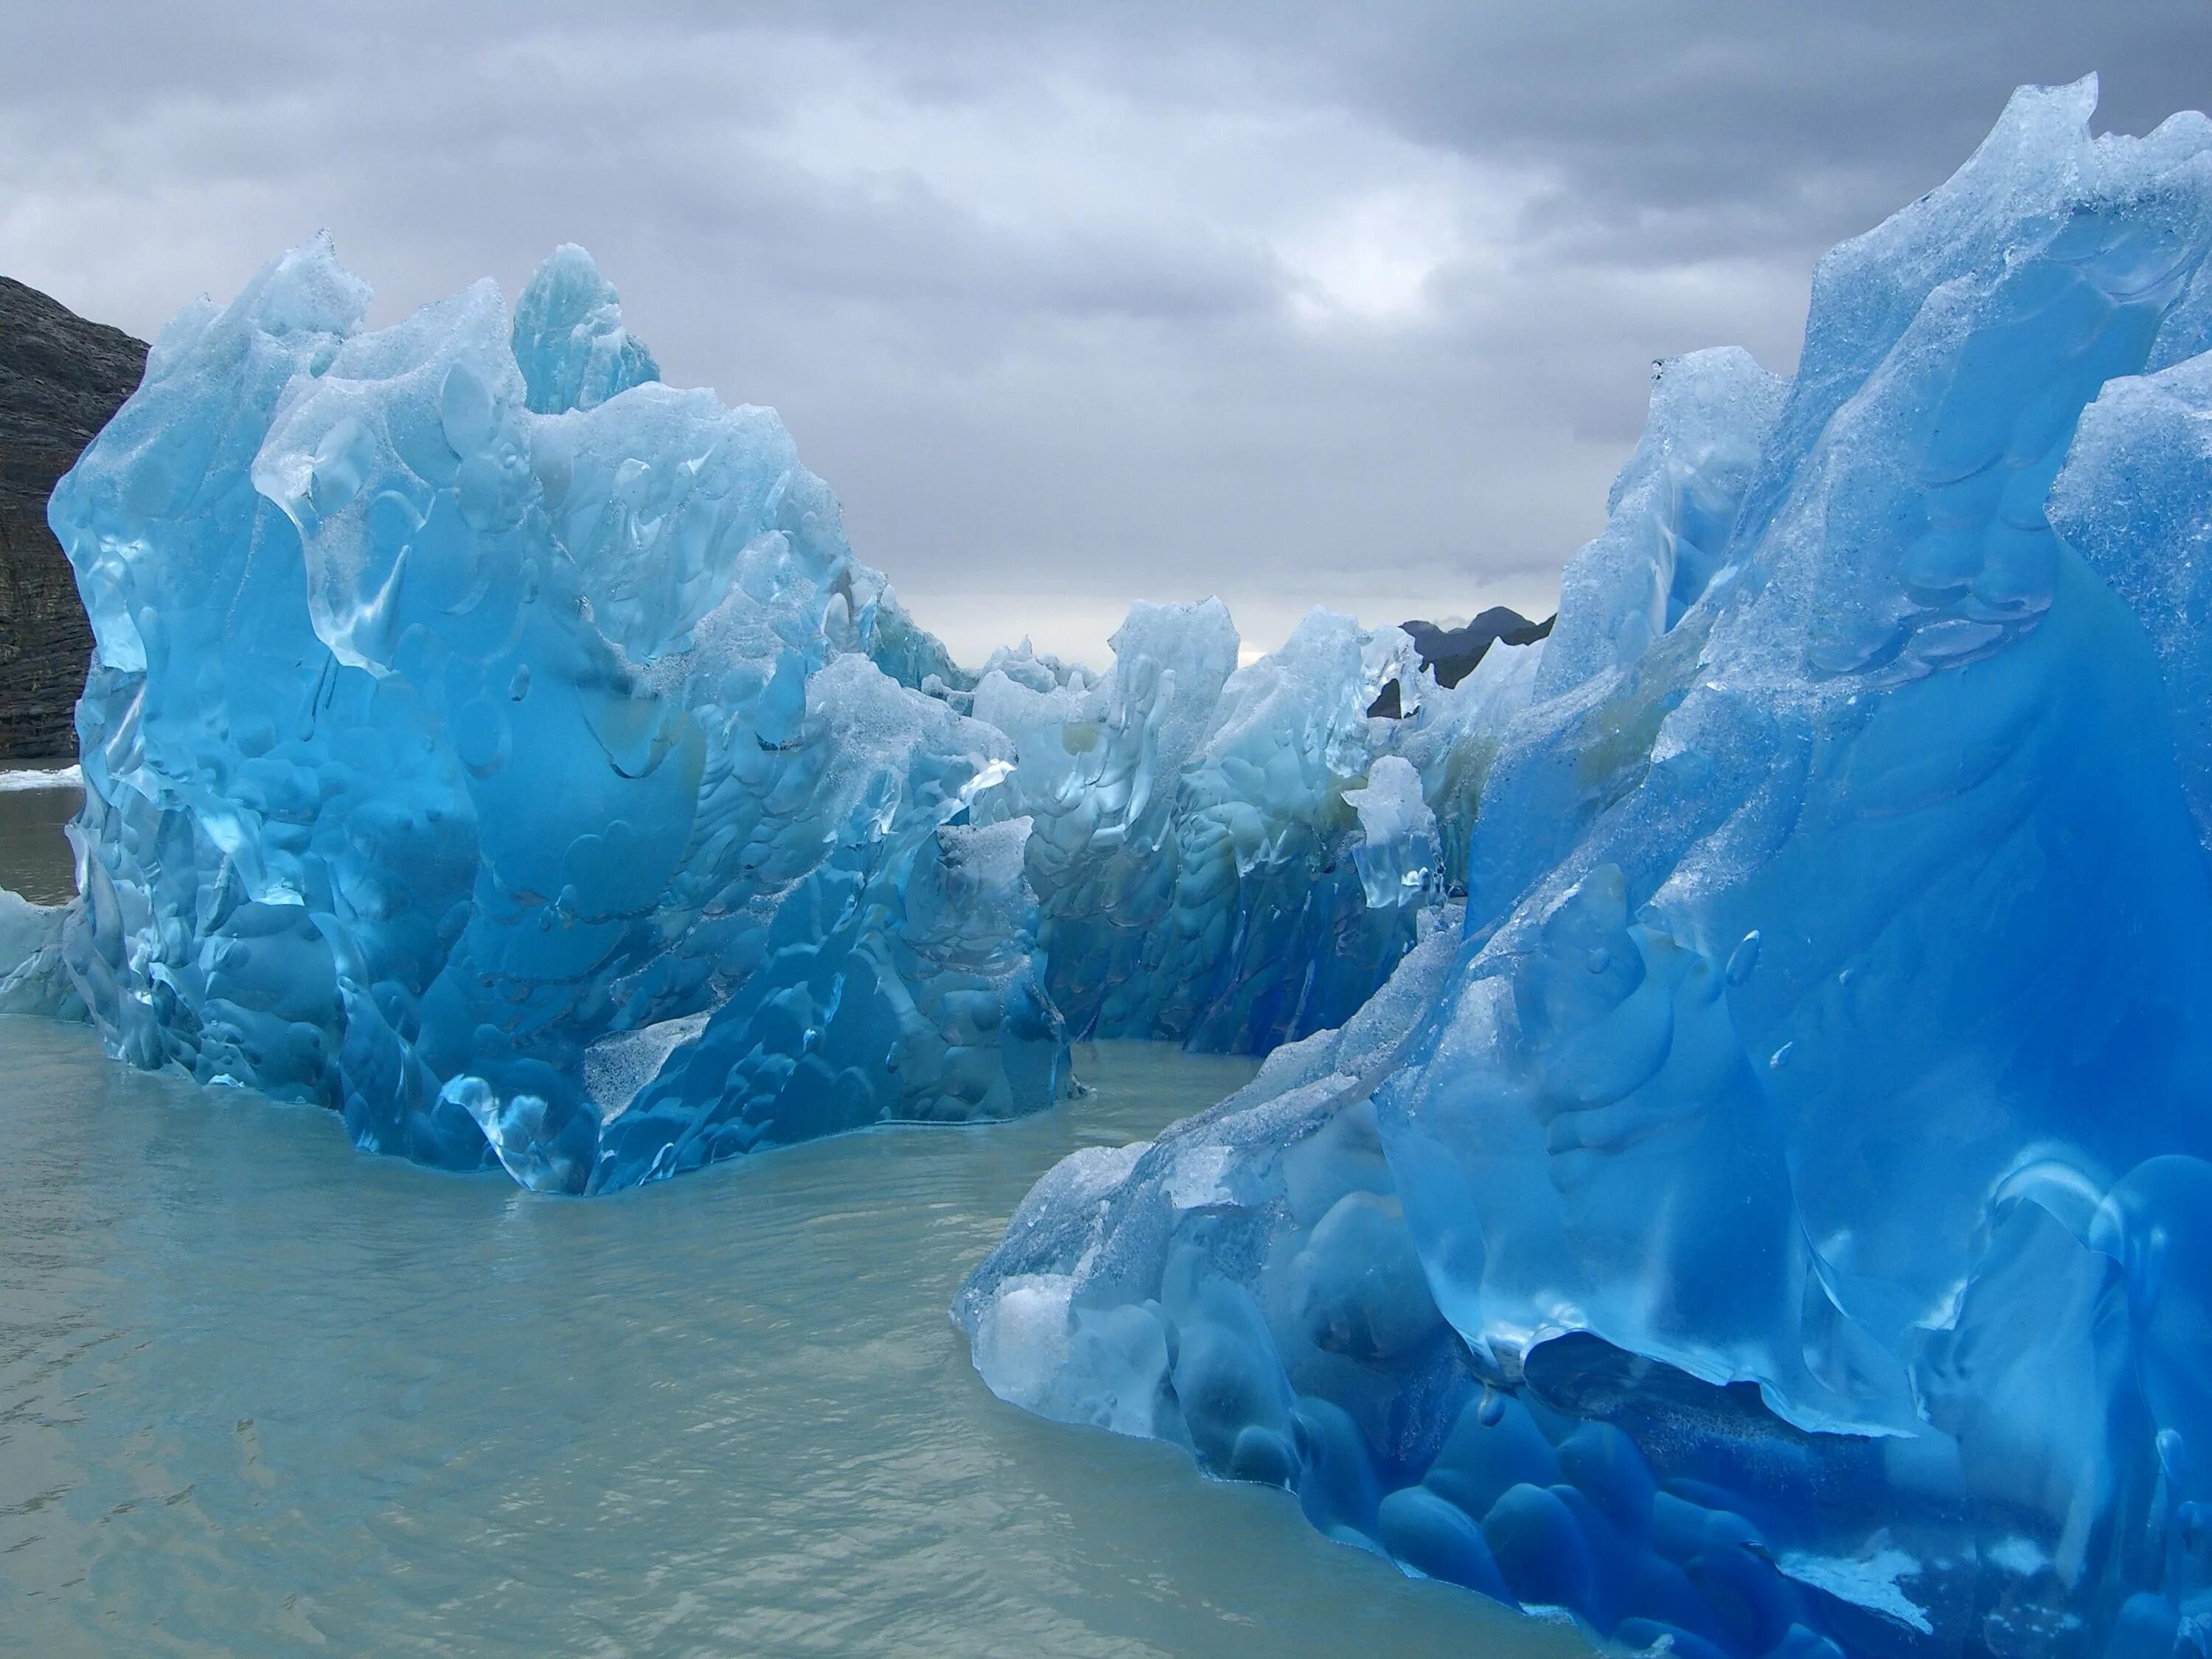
1776	1225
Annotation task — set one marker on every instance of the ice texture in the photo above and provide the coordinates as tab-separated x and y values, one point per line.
33	979
1232	858
1780	1222
1396	854
2130	501
506	749
1669	516
569	341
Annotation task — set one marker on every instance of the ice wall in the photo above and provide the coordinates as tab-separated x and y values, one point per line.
2131	501
1234	857
1188	816
506	749
33	979
1778	1225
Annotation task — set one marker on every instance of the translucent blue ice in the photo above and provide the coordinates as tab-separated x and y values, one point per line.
1396	852
491	742
1230	857
1783	1222
1762	1208
33	978
569	341
2131	501
504	748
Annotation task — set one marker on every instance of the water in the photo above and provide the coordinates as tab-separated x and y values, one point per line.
259	1393
34	859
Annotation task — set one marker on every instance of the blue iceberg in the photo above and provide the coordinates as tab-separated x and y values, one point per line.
504	749
1779	1221
1209	843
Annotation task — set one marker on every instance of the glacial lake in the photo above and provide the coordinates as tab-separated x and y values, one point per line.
262	1394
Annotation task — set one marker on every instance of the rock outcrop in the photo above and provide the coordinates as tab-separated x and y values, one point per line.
1451	653
61	377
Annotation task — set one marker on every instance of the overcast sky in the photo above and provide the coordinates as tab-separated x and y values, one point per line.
1074	305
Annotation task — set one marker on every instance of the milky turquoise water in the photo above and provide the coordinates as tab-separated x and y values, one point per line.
260	1394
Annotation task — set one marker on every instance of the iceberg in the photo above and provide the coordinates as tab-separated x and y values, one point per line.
33	978
504	749
1233	857
1774	1221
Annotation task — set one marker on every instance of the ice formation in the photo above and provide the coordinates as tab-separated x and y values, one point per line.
496	744
1781	1222
504	748
32	979
1200	850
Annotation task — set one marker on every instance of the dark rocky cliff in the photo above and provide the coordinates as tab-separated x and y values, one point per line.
61	377
1451	653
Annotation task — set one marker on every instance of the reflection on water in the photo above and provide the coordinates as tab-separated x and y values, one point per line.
259	1393
34	857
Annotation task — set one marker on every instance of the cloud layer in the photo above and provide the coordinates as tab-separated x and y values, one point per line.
1292	302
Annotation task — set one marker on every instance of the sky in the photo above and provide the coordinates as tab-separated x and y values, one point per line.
1074	305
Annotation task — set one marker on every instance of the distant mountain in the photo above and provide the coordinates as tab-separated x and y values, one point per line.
61	377
1450	653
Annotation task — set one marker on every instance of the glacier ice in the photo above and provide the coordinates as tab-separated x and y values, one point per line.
1668	515
496	744
1396	852
33	979
1221	853
1778	1220
2130	501
569	341
505	748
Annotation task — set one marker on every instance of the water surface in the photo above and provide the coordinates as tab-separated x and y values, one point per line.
36	799
262	1394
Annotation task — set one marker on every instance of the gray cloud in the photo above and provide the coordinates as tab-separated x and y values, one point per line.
1291	302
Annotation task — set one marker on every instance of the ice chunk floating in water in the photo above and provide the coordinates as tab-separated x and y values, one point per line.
18	779
506	749
1781	1223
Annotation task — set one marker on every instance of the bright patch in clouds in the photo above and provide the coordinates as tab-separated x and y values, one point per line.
1373	258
